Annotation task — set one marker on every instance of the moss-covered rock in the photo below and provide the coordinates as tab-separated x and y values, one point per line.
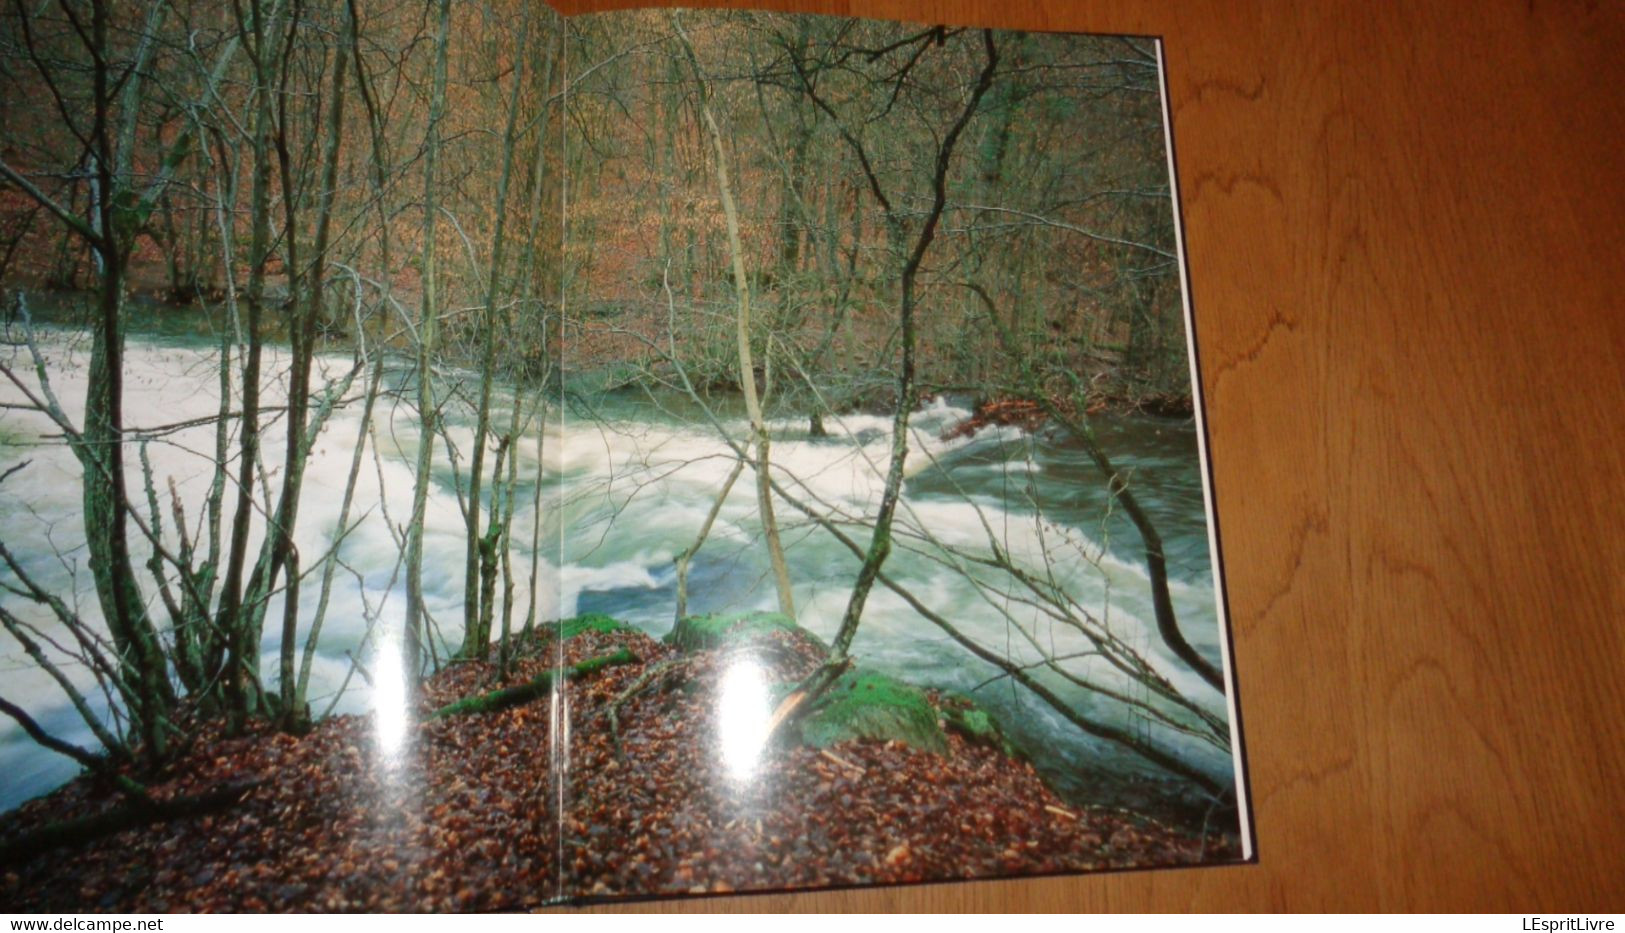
962	714
566	629
866	704
699	633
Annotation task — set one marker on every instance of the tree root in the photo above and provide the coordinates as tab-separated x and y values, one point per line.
140	813
644	682
799	701
534	689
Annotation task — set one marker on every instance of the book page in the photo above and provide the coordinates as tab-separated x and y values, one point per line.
890	542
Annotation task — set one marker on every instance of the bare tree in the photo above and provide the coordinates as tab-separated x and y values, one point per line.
899	226
762	462
427	326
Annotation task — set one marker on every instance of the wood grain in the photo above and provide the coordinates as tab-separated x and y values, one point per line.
1404	224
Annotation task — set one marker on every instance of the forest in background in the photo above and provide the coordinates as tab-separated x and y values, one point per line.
471	222
1056	228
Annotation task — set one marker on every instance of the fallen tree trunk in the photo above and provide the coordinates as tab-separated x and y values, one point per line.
533	689
88	828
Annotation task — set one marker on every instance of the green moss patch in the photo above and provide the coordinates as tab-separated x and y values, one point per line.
865	704
699	633
962	715
567	629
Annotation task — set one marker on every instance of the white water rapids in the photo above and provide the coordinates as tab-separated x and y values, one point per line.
624	491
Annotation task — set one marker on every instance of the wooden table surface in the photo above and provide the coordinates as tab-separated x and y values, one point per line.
1407	252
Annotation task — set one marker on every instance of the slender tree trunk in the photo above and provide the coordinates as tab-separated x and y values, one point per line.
489	543
536	513
1156	563
505	545
211	640
428	325
684	558
341	523
747	369
477	615
101	449
276	550
105	514
880	542
240	649
294	715
547	74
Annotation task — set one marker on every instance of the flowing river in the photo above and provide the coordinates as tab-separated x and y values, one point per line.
626	481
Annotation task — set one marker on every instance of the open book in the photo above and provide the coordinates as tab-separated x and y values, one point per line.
735	451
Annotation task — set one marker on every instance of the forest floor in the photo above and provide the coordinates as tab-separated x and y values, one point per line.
464	814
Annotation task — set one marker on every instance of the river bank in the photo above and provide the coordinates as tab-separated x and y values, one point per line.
665	797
